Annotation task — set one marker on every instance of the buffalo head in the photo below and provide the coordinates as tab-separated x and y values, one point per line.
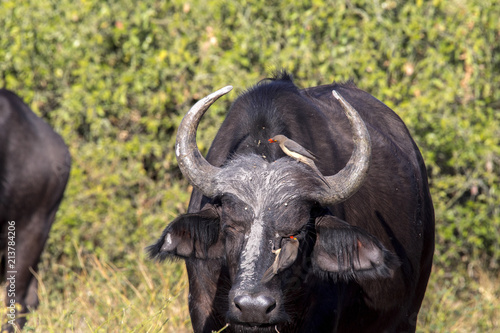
269	225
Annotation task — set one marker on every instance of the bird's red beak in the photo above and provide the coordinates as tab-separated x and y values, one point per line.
271	140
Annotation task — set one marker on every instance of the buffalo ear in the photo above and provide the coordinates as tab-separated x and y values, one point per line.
194	235
347	252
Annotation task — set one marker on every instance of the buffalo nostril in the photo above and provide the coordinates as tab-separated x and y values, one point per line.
271	308
255	308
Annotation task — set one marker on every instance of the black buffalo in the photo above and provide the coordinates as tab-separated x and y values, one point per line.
34	170
365	239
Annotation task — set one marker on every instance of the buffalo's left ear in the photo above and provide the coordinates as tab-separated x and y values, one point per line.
348	252
194	235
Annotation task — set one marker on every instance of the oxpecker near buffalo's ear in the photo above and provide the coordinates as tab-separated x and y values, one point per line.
285	257
348	252
297	152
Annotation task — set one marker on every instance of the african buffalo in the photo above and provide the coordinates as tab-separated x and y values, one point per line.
34	170
270	247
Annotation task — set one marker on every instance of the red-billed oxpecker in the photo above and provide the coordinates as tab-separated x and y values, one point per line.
297	152
285	256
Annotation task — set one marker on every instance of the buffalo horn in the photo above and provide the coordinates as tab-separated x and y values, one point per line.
199	172
348	180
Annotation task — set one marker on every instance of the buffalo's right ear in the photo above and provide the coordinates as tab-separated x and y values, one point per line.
347	252
194	235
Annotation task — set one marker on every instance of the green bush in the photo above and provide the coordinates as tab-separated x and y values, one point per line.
116	77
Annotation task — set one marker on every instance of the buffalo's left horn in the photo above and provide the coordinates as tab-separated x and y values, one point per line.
199	172
348	180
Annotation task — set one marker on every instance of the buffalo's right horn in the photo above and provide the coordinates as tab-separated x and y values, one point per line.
347	181
199	172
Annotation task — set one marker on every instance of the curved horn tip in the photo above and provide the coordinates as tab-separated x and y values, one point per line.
209	99
336	94
342	101
221	91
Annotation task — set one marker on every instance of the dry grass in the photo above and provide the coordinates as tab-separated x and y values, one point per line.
151	297
461	302
104	297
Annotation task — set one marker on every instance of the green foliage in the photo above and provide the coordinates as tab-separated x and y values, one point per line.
116	77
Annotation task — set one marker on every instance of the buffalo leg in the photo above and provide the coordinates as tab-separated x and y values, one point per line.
22	286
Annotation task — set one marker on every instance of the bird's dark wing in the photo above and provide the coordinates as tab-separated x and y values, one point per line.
268	275
318	173
271	271
288	254
296	148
